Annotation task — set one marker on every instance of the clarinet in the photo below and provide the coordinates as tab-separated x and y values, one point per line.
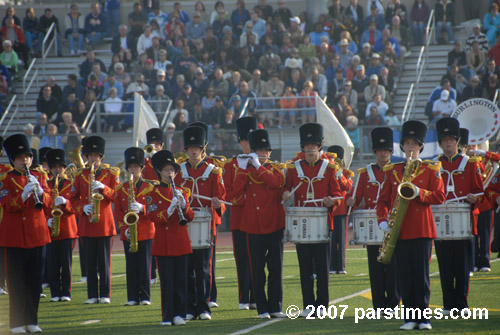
182	219
38	203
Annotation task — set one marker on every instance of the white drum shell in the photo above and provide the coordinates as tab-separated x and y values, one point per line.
453	221
307	225
365	227
200	229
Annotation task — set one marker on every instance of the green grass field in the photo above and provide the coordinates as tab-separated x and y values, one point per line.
76	318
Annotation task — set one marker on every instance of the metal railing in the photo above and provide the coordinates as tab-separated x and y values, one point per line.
86	121
7	112
34	77
53	42
495	98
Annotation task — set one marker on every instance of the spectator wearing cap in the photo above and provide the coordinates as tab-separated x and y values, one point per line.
161	80
294	61
112	82
351	44
138	85
359	83
345	55
478	36
366	54
189	97
375	66
137	19
371	35
216	112
124	45
376	17
377	102
443	107
95	24
374	88
149	72
200	82
196	28
296	34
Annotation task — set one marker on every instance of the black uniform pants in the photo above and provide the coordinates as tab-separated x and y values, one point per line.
383	279
2	267
338	246
199	281
83	256
213	285
240	251
482	240
98	259
173	285
138	271
59	262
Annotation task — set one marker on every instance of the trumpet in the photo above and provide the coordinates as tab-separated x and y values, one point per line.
149	149
131	218
94	197
56	211
182	219
38	202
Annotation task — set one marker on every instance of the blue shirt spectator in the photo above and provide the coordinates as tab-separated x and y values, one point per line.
317	34
112	82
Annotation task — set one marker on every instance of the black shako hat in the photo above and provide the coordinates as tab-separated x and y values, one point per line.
414	130
163	158
448	126
464	136
259	139
55	156
134	155
94	144
382	138
245	125
337	149
194	136
311	133
154	135
17	144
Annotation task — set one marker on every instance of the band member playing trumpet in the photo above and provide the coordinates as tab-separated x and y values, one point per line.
136	230
24	197
92	194
246	300
204	179
62	222
315	179
370	179
257	187
462	177
171	244
424	187
339	233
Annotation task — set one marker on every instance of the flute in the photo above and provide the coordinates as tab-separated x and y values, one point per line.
208	198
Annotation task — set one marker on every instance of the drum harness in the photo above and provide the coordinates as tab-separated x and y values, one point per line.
319	176
185	175
450	184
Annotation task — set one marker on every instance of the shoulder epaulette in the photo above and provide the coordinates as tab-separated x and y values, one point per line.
42	172
3	175
277	165
361	170
217	170
290	166
433	165
388	167
114	170
331	155
79	172
333	165
105	166
152	182
119	187
227	161
475	159
350	172
182	159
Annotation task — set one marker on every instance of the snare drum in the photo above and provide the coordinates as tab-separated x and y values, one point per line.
307	225
200	229
452	221
365	226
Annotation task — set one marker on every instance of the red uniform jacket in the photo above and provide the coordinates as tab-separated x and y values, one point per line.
259	191
468	181
213	186
486	205
230	169
315	188
21	225
143	191
493	189
418	221
149	172
68	226
4	168
171	239
367	191
80	197
345	185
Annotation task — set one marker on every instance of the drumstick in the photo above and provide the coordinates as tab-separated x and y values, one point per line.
293	190
208	198
318	200
464	197
354	194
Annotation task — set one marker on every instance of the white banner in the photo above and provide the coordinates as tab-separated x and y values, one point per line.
144	119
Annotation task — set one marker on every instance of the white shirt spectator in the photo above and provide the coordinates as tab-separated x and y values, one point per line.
382	107
113	105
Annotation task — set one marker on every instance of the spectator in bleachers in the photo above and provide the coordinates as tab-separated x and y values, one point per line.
95	24
325	56
366	54
179	109
374	88
419	15
286	105
376	17
306	49
490	70
216	112
41	127
180	80
377	3
386	37
174	29
80	113
90	98
52	141
200	8
10	12
218	13
396	8
478	36
220	26
180	121
350	72
156	30
265	9
387	81
338	82
180	13
200	82
154	50
67	120
295	81
282	14
111	82
149	72
68	106
162	62
286	47
354	133
443	107
98	72
247	32
336	12
317	34
390	60
342	110
113	105
473	90
402	36
158	15
238	17
244	93
57	91
210	41
391	119
319	82
74	22
189	97
258	24
199	115
345	55
373	118
86	66
375	66
352	47
15	34
72	138
351	95
436	94
47	104
183	62
95	85
274	85
269	62
34	140
491	22
295	32
161	79
371	35
137	19
256	84
445	17
160	106
122	76
208	100
145	41
30	28
356	13
451	75
458	57
196	28
111	11
138	85
307	100
378	103
220	85
207	64
490	90
476	59
359	83
124	45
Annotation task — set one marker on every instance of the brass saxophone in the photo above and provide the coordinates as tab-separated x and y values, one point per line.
95	197
76	162
131	218
406	191
56	211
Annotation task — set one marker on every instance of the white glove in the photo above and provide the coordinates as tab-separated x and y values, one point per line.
173	206
38	189
32	179
88	209
49	222
136	207
418	191
339	173
384	226
481	153
255	160
242	163
127	234
28	189
179	196
60	201
97	185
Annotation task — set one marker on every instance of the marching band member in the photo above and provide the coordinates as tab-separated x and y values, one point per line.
257	187
462	177
414	245
171	243
92	195
315	179
3	169
463	143
81	245
60	251
130	199
339	233
23	233
42	159
370	180
204	179
246	299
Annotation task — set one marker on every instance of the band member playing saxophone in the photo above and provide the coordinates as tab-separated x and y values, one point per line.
136	230
92	194
24	196
423	187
